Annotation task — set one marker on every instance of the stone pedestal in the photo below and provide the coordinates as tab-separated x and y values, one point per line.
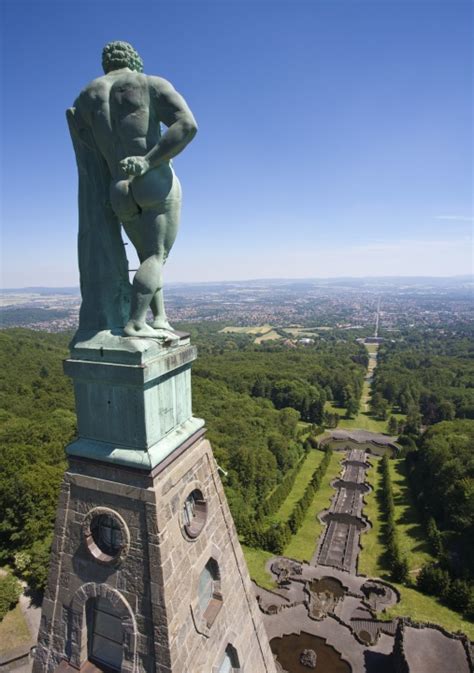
133	407
147	574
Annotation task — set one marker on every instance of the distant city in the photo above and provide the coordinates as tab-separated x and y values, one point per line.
336	303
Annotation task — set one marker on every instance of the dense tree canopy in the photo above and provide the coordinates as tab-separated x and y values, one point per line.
442	478
428	375
38	419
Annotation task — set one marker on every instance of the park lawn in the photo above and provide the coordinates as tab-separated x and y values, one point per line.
371	554
427	609
14	631
411	536
363	420
310	463
365	397
256	560
301	547
372	348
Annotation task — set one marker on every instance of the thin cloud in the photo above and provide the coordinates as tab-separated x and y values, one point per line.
455	218
403	257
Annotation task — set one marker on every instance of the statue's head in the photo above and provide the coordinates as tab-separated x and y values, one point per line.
117	55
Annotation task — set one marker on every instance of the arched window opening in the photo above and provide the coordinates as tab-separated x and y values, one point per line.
210	597
194	513
104	635
230	662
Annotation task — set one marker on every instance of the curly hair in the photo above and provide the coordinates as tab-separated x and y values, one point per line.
118	54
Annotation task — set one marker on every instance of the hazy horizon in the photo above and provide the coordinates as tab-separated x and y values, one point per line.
295	279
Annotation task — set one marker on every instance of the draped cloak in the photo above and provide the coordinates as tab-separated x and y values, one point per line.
103	265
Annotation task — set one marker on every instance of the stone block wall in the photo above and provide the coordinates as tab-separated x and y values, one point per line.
153	583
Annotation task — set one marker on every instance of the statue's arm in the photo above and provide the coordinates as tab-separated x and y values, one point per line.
173	111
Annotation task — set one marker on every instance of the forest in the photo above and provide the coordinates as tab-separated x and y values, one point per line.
252	398
427	375
37	421
441	475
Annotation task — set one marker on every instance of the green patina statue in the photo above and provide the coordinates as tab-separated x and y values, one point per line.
126	177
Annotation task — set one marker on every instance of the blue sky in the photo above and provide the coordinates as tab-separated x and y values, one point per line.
335	136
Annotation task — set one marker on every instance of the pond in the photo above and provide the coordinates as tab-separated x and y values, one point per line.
288	650
327	584
325	595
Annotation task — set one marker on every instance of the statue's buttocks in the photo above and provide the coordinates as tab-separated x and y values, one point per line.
153	189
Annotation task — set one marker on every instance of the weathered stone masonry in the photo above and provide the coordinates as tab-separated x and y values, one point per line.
153	580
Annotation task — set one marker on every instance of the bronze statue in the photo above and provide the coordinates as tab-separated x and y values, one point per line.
125	176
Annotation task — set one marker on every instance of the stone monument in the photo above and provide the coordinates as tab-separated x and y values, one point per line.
146	573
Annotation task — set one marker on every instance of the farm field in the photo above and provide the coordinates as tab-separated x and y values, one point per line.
253	329
261	332
268	336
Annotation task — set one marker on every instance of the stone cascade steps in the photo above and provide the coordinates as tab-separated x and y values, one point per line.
340	542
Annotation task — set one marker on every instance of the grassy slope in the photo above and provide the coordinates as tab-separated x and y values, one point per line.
427	609
370	557
303	544
309	465
413	603
256	560
410	532
13	631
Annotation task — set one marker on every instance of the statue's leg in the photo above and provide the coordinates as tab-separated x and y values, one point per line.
158	196
160	320
157	233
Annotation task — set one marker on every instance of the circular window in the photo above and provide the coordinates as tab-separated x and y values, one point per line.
106	535
194	513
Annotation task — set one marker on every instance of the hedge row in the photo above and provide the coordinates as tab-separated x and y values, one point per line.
275	538
301	507
397	562
280	493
